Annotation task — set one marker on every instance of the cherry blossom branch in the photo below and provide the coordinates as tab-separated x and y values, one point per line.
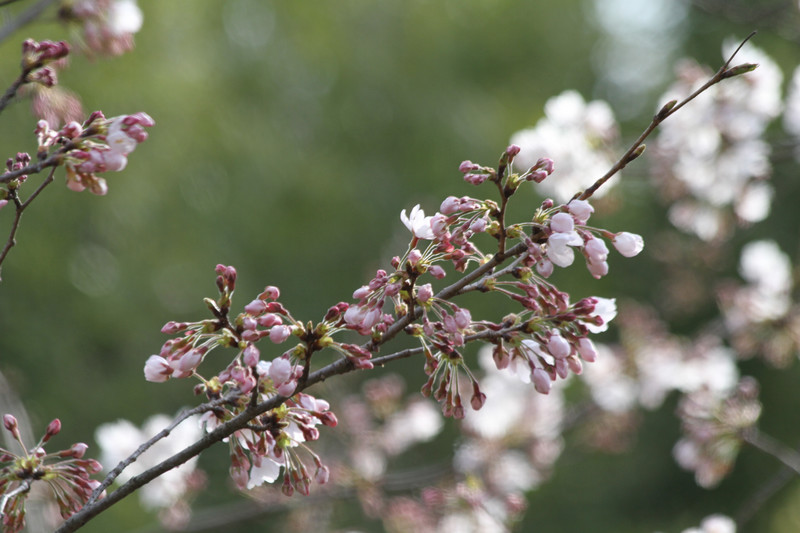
637	148
469	282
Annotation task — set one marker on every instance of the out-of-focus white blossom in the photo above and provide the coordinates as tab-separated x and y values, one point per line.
420	421
658	368
579	136
767	296
713	157
119	439
715	523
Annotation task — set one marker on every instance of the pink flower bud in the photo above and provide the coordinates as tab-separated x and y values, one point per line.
189	361
596	250
558	346
544	268
450	205
425	293
598	270
541	381
475	179
10	423
439	225
52	429
157	369
575	365
437	272
251	355
581	209
255	308
278	334
466	166
280	370
463	318
587	350
269	319
322	475
478	225
270	292
361	293
537	176
512	150
628	244
414	256
78	449
172	327
477	400
545	164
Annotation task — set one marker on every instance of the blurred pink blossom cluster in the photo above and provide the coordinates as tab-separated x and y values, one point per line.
108	25
761	316
712	425
714	158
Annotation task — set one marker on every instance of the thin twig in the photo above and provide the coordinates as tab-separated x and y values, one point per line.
113	474
11	92
668	110
18	215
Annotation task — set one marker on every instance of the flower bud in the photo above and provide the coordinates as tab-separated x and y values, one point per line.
628	244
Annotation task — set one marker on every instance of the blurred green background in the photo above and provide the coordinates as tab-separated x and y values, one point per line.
289	136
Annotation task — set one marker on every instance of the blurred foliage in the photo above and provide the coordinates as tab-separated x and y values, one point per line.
289	136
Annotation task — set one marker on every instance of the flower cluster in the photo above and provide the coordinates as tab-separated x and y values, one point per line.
37	58
568	230
760	316
712	425
98	145
548	337
108	25
66	472
271	440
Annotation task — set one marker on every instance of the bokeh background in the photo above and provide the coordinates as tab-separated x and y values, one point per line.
289	136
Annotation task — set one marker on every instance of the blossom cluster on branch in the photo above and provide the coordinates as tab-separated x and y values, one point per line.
511	400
